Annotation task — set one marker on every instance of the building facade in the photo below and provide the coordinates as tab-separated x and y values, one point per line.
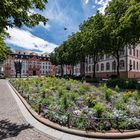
32	64
107	65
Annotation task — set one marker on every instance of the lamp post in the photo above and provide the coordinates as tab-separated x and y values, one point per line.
18	67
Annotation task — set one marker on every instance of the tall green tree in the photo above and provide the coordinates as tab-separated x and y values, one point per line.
93	37
116	40
130	23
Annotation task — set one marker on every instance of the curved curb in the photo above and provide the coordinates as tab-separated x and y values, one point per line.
107	135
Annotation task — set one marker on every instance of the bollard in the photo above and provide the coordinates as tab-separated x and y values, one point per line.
39	108
68	120
28	98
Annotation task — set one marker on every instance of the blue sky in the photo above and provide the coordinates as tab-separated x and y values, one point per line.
61	14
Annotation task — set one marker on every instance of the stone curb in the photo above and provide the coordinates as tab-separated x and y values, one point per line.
107	135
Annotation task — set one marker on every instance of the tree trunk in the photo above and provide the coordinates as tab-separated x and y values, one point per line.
94	70
66	69
62	71
82	68
118	65
72	70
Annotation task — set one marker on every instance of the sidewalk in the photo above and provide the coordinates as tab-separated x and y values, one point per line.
13	125
14	117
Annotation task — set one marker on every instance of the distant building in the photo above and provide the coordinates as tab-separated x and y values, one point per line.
32	64
107	65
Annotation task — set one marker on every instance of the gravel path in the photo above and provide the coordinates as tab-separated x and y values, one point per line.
12	124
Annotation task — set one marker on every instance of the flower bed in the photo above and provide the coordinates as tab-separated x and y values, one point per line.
79	105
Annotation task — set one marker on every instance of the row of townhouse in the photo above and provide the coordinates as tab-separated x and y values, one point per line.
32	64
35	64
107	65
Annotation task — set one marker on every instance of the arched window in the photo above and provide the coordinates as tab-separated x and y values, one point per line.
122	64
114	65
102	67
107	66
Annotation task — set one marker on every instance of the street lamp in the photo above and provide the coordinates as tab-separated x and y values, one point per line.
18	67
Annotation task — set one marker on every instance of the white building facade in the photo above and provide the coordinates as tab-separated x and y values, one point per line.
107	65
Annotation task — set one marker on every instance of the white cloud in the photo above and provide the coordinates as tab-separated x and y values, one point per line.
61	16
103	4
26	40
85	1
47	26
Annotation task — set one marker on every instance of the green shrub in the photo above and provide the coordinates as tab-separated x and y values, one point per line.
117	89
100	108
90	99
107	94
120	105
123	83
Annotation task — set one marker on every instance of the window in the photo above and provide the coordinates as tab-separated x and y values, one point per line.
102	67
134	52
97	67
122	52
122	64
134	65
89	68
86	68
130	62
90	60
137	66
107	56
113	65
101	57
130	51
107	66
137	53
92	67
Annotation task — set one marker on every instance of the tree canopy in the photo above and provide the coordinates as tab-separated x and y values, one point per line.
18	13
107	33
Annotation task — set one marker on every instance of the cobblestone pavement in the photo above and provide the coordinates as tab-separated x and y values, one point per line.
12	124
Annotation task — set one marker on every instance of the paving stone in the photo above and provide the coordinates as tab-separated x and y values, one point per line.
13	125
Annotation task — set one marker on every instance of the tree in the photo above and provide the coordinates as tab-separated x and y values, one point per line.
4	50
130	23
19	12
16	13
93	37
116	40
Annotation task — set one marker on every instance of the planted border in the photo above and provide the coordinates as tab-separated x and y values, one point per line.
73	104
